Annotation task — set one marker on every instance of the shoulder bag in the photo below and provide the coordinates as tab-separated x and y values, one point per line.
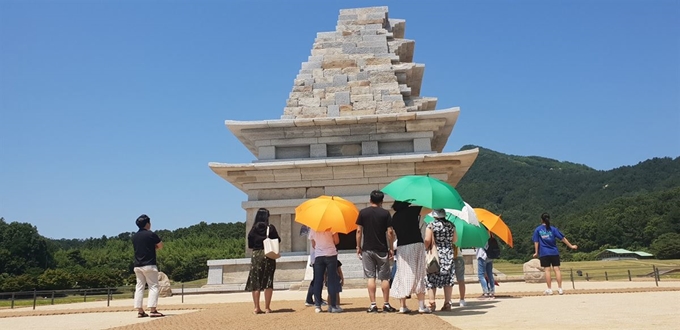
432	260
271	247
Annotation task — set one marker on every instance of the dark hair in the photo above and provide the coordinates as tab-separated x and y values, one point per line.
377	196
400	206
545	218
262	216
142	220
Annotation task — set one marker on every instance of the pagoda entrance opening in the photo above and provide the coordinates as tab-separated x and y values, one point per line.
348	241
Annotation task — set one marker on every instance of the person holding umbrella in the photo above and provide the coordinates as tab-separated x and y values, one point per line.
442	234
410	261
545	248
325	263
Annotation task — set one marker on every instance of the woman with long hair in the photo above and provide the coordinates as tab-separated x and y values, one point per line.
410	260
545	248
261	276
443	235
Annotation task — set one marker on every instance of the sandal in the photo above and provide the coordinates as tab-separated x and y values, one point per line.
433	306
156	314
257	311
142	314
267	311
446	307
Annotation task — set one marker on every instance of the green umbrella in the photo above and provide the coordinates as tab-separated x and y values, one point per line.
425	191
469	236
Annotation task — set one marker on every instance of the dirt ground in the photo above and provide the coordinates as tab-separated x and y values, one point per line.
626	308
290	315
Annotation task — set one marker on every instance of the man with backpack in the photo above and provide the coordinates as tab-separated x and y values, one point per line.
485	259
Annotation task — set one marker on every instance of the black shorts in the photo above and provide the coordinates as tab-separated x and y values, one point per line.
547	261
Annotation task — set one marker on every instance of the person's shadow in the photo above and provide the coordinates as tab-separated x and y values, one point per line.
282	310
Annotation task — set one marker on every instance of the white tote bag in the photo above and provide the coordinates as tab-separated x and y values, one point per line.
271	247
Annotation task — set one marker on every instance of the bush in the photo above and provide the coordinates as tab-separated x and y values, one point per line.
667	246
56	279
23	282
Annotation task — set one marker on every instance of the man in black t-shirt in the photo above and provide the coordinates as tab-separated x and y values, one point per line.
146	243
374	247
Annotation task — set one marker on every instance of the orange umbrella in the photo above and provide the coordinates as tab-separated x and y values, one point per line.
495	224
328	213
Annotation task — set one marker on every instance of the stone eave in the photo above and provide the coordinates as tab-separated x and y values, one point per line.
287	173
240	128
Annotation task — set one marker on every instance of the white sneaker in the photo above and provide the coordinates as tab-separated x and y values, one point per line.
425	310
335	310
462	303
318	310
548	292
560	291
403	310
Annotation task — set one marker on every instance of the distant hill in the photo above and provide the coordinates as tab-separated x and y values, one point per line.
627	207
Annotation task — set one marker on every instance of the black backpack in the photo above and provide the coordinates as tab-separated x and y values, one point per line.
494	250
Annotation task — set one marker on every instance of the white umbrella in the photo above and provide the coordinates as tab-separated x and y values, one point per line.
467	214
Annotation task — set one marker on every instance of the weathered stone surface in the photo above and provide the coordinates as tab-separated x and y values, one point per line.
369	148
361	52
292	152
318	150
314	192
375	170
533	272
348	172
391	127
266	152
282	193
399	169
344	150
316	173
165	290
395	147
342	98
422	145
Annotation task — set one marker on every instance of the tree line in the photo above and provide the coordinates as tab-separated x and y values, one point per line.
29	260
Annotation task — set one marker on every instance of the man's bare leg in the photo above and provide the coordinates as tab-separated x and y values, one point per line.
371	289
386	291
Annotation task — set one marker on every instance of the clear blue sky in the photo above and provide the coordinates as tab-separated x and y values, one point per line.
110	109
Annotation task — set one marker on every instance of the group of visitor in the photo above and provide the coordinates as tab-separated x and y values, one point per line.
377	243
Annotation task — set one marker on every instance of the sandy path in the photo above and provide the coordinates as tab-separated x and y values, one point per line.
603	305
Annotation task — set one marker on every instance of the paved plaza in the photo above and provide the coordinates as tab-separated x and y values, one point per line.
593	305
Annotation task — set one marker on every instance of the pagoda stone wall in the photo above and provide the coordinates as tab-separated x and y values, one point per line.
364	67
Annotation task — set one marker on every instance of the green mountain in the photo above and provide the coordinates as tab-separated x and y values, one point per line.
627	207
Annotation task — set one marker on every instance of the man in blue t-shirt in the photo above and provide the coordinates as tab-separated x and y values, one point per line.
545	248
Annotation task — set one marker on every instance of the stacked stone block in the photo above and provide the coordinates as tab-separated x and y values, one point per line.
364	67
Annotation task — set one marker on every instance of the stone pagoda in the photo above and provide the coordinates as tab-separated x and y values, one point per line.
355	120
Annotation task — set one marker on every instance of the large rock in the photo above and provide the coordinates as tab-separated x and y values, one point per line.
533	272
164	284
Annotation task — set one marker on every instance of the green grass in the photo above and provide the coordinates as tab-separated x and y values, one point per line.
191	284
615	269
43	300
